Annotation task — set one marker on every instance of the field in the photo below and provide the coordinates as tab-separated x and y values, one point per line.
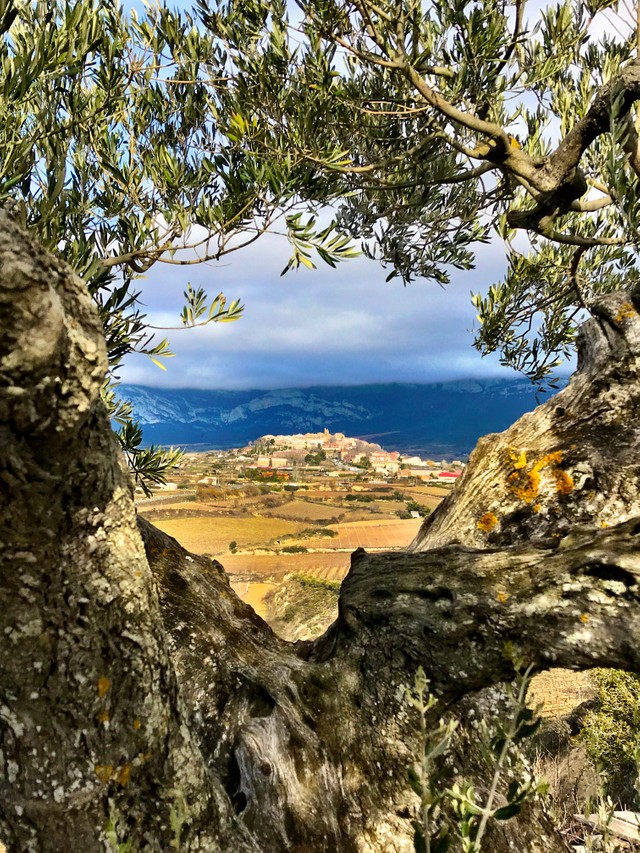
212	535
329	565
373	533
305	510
560	690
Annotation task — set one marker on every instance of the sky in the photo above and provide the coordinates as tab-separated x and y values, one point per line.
343	326
317	327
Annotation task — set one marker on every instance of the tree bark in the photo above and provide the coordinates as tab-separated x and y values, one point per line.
94	750
141	701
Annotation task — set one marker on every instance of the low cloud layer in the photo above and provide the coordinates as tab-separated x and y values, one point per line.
344	326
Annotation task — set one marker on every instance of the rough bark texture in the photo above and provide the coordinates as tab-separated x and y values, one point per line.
573	461
93	746
155	707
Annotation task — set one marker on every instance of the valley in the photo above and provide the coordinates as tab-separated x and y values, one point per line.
298	514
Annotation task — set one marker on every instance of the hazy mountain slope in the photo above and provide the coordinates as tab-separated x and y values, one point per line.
439	419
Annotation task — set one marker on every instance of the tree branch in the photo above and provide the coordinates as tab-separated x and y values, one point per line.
467	615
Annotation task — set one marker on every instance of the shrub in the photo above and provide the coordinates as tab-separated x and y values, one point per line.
612	733
294	549
233	546
414	506
316	531
318	583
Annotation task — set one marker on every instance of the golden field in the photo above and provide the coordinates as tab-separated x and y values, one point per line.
212	534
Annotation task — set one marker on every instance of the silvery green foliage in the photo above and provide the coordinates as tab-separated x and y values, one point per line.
512	782
449	122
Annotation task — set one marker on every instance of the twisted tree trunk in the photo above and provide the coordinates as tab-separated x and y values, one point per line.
141	701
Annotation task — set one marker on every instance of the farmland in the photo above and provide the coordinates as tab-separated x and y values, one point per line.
263	533
237	507
211	534
280	536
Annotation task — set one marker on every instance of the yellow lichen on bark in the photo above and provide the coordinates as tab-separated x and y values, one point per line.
487	522
525	485
517	459
625	313
123	775
103	685
564	481
104	772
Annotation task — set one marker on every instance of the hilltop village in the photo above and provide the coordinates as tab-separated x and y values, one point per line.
292	458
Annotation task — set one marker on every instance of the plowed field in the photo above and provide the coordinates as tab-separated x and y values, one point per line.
374	534
330	566
301	510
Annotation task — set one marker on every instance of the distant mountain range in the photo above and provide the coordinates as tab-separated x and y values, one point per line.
442	420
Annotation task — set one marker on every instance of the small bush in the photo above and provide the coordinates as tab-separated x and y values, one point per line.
318	583
233	546
294	549
414	506
316	531
612	733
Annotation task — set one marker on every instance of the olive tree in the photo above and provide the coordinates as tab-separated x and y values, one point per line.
142	705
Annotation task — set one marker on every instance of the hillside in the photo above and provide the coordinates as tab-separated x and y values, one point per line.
438	420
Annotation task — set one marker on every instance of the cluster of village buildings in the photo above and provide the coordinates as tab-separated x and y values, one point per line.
287	451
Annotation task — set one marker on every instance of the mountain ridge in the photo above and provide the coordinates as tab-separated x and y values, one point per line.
439	418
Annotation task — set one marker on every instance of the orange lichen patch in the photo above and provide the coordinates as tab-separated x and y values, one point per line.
604	524
487	522
564	481
104	772
536	507
525	485
123	775
103	717
502	597
625	313
517	460
136	724
584	618
103	685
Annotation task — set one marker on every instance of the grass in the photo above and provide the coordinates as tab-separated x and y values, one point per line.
318	583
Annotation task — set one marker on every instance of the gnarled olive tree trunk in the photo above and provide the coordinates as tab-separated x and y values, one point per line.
142	702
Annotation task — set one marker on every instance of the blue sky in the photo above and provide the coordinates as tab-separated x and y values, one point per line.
341	326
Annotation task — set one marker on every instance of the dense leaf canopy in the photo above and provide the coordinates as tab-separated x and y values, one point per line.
453	122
